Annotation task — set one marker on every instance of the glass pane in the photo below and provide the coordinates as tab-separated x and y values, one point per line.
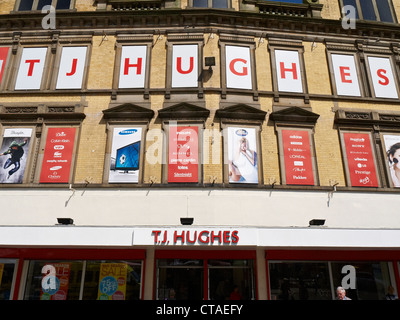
43	3
367	9
232	263
63	4
58	280
180	262
200	3
299	281
353	4
384	10
25	5
6	277
220	4
176	283
112	280
232	283
372	279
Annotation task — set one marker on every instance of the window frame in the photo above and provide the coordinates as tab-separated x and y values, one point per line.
369	75
177	40
284	45
237	41
209	5
127	41
360	76
35	4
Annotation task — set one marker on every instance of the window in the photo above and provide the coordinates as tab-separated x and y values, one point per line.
205	275
297	156
102	280
28	5
312	280
216	4
39	151
7	275
126	140
370	155
373	10
359	158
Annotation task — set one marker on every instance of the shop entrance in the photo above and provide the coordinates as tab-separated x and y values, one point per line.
182	275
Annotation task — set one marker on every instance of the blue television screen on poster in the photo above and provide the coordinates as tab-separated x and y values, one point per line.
128	157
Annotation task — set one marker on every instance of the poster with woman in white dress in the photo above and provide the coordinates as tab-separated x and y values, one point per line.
242	155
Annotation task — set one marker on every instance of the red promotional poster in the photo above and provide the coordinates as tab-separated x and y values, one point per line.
55	281
360	160
3	59
57	155
297	155
183	154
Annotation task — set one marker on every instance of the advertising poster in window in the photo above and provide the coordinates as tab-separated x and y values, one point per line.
55	281
297	156
185	66
382	77
392	151
360	160
345	71
288	71
133	67
72	68
238	67
125	155
14	154
31	68
3	60
183	156
57	157
242	155
112	281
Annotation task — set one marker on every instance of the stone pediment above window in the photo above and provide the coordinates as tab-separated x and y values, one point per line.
241	112
184	110
308	8
128	111
294	115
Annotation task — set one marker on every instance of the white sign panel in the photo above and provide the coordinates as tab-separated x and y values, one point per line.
238	67
382	77
30	70
345	72
133	67
185	66
288	71
72	68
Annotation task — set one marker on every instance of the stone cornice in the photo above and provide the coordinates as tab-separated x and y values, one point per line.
191	19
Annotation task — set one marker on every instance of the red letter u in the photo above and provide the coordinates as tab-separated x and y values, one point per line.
179	65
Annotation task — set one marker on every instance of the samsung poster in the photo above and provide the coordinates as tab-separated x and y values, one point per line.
360	159
242	155
57	157
183	165
14	154
392	150
125	155
298	159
